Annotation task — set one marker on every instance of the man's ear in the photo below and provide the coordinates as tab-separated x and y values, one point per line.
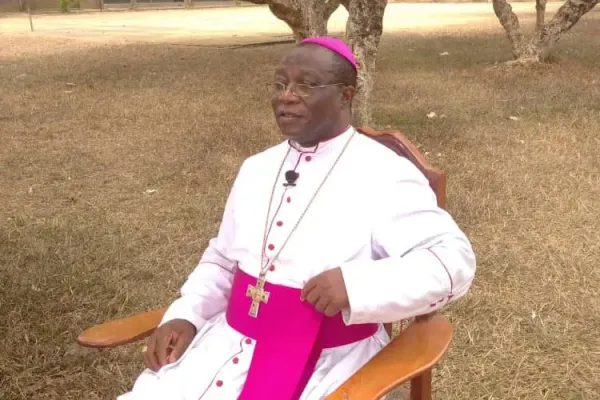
347	95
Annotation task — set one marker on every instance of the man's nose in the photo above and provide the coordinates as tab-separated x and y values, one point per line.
288	96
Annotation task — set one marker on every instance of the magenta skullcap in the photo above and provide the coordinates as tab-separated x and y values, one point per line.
336	45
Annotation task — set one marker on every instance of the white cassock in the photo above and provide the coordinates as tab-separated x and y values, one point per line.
375	217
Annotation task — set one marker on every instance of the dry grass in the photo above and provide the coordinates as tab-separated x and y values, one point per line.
81	241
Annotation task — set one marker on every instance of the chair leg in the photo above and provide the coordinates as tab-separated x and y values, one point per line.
420	387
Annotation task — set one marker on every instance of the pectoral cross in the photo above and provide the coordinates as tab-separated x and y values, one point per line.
258	295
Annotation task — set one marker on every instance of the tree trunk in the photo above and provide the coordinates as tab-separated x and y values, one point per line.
30	18
188	3
305	17
363	34
317	13
540	14
133	4
540	46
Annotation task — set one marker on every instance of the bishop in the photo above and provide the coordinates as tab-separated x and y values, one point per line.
357	242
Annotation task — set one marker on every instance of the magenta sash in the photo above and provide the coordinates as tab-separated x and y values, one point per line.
290	335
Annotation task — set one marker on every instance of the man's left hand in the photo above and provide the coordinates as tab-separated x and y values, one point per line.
327	292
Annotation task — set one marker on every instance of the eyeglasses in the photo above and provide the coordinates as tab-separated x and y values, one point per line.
297	89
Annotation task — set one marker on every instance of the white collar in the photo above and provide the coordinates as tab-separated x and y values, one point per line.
326	145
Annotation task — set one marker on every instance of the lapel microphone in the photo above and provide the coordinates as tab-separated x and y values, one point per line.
291	177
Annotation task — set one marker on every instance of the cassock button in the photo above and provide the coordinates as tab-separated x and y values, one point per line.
308	158
235	360
432	305
248	341
219	383
279	223
271	247
272	268
289	199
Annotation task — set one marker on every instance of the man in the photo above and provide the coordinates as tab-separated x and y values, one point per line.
324	237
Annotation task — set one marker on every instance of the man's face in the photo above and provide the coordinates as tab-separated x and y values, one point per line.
310	119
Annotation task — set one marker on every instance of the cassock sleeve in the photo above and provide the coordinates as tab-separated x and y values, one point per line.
206	290
421	258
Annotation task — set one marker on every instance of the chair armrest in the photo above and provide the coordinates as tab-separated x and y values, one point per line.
413	352
121	331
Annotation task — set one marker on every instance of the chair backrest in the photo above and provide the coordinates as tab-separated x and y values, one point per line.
396	141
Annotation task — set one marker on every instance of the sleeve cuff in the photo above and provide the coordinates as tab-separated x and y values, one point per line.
354	279
393	288
179	310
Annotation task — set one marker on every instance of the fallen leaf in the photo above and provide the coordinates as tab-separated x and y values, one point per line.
431	115
513	118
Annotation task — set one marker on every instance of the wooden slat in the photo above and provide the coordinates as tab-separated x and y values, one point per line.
414	352
121	331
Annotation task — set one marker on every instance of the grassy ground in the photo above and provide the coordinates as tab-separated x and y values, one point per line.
111	188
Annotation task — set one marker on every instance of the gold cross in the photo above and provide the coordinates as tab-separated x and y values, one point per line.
258	295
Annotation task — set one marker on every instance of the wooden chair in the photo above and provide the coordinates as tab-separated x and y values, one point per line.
409	357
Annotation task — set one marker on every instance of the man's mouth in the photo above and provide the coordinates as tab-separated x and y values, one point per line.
286	115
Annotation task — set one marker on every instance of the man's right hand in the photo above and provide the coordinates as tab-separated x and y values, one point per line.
168	343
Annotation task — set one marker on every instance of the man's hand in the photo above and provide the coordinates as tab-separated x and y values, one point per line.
168	343
327	292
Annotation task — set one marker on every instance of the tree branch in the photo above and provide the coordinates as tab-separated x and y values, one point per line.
510	23
565	18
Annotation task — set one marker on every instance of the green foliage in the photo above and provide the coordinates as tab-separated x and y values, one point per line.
64	5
